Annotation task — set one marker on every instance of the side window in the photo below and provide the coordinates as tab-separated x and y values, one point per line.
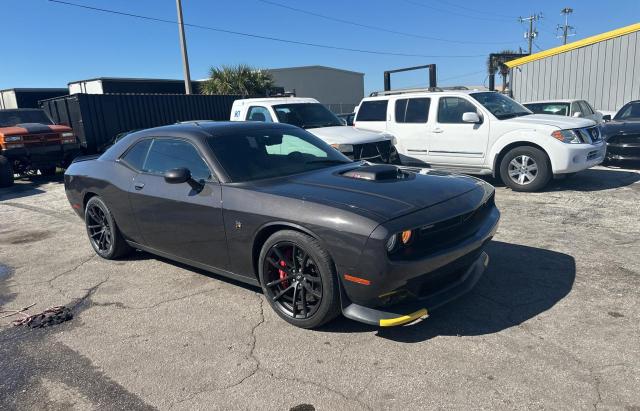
166	154
257	113
373	110
137	154
586	108
412	110
451	109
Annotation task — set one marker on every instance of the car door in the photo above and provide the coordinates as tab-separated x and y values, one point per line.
452	141
178	219
409	125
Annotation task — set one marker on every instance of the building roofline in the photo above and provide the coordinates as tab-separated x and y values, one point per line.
575	45
35	89
128	79
314	67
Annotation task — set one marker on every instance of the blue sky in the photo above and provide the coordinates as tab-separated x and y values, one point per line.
50	44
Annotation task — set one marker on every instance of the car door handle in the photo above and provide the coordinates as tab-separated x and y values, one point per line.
438	130
138	186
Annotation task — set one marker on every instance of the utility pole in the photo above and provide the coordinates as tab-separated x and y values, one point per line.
183	47
532	33
566	28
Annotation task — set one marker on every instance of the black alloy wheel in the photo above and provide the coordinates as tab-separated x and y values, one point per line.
293	280
298	279
104	235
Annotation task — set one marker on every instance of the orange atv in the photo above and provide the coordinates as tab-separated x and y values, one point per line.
30	141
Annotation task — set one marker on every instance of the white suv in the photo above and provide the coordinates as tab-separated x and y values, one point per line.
309	114
480	132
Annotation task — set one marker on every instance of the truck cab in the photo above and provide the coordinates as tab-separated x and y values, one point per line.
310	114
482	132
30	141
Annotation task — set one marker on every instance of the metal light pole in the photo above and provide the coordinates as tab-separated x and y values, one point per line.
183	47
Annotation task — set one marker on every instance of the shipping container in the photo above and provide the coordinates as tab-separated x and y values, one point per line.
112	85
28	97
98	118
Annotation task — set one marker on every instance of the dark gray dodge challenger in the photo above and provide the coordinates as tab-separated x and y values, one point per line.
274	206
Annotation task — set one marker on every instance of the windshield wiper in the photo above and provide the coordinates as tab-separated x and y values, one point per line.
512	115
327	161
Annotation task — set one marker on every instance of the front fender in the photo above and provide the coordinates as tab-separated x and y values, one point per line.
525	137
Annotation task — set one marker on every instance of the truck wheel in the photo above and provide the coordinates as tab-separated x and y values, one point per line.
525	169
6	172
48	171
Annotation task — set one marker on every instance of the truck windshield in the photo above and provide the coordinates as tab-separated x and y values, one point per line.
10	118
306	115
558	109
500	105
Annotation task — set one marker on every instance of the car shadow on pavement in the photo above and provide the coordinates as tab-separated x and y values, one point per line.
28	186
520	283
595	179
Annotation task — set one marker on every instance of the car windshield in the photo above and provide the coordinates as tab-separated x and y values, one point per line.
256	154
500	105
558	109
630	112
10	118
306	115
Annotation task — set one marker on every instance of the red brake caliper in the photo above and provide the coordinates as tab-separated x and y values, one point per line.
283	275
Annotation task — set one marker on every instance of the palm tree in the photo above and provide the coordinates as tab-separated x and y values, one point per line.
241	79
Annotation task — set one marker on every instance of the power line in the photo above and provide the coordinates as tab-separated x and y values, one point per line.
476	10
367	26
251	35
428	6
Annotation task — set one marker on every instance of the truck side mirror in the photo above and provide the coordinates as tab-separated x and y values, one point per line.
577	114
471	117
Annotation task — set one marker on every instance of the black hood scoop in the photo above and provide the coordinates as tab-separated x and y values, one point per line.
377	172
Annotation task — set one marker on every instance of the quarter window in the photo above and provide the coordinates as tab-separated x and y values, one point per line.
412	110
258	113
166	154
373	110
137	154
451	109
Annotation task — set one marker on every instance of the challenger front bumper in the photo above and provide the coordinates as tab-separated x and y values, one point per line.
407	312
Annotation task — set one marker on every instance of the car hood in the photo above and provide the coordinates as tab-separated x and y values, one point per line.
620	127
561	122
380	200
347	135
33	128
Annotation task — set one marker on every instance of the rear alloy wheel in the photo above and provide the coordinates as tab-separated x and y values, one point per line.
103	232
525	169
6	172
298	279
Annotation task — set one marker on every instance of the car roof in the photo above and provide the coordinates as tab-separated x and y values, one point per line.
410	94
557	100
276	100
211	128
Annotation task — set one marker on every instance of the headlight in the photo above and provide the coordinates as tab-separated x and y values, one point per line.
391	242
11	139
567	136
343	148
67	134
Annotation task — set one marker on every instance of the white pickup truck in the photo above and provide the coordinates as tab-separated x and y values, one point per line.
309	114
479	132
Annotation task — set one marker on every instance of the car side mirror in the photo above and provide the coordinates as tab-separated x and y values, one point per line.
606	117
181	175
177	175
471	117
577	114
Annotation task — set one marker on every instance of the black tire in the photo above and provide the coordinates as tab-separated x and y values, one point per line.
318	267
6	172
512	162
48	171
109	244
